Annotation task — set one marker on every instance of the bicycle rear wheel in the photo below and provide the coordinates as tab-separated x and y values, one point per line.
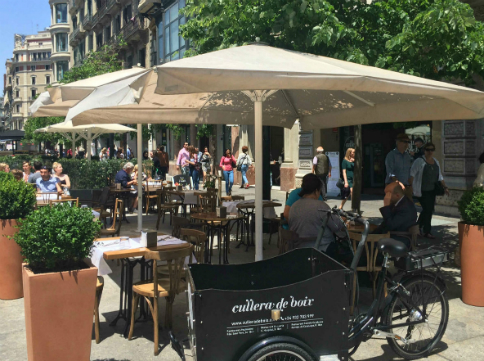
281	352
420	338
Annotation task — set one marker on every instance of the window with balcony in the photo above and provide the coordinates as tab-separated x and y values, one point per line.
61	13
90	42
18	108
33	80
33	93
117	24
99	40
16	81
171	46
17	94
10	81
47	79
127	14
74	22
107	34
89	7
32	68
47	67
62	68
61	42
16	57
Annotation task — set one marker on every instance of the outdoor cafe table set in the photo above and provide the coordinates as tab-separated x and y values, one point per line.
44	198
130	253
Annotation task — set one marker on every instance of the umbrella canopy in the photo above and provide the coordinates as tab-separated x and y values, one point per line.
134	101
324	92
88	132
55	109
42	100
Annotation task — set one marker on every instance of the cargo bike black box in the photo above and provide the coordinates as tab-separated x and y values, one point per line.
301	298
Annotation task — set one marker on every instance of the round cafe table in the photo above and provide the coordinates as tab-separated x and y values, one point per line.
220	227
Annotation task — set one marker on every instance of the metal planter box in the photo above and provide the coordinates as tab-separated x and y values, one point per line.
302	294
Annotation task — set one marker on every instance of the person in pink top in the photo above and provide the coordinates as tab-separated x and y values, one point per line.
227	164
182	161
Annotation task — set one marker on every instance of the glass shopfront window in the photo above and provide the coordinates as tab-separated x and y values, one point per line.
62	68
171	46
61	42
61	13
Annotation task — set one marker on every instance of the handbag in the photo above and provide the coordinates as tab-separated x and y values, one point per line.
439	189
340	183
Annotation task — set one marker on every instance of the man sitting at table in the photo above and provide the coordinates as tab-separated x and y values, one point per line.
399	214
123	177
46	183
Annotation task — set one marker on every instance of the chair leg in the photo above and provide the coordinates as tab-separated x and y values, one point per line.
168	314
158	220
96	316
133	313
147	204
155	321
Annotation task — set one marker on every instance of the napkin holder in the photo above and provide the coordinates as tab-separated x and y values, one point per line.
221	212
118	186
179	188
151	238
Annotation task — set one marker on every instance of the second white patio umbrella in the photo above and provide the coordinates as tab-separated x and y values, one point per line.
88	132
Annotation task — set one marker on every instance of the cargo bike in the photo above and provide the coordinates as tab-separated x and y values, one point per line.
296	306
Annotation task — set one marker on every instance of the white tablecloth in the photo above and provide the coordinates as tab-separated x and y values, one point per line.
99	248
269	212
45	197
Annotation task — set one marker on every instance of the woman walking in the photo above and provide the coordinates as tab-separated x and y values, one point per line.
227	164
348	167
426	179
244	162
194	166
206	163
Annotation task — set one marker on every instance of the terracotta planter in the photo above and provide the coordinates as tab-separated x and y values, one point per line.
10	262
58	314
472	264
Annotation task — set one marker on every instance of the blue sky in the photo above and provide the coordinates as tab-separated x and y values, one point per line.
19	17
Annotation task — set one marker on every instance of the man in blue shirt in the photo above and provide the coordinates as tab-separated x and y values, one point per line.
291	199
398	163
46	183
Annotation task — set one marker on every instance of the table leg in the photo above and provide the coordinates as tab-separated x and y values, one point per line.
121	294
129	294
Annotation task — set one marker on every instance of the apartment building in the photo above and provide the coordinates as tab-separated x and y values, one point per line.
61	27
96	23
28	74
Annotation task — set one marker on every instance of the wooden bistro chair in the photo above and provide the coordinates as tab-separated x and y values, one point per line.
106	201
69	200
411	235
162	286
115	228
164	204
198	239
178	224
371	250
99	292
149	193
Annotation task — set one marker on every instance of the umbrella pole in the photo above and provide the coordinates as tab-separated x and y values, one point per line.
259	240
139	156
88	144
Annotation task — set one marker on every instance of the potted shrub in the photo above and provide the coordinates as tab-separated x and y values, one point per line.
59	284
17	200
471	244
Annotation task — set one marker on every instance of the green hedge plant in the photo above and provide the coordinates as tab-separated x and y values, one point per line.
471	206
17	198
58	238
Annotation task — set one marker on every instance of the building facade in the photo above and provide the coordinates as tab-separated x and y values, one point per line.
60	28
28	74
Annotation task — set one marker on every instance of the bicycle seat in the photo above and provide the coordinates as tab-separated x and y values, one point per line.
393	247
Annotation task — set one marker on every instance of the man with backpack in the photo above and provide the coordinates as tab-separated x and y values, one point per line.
322	168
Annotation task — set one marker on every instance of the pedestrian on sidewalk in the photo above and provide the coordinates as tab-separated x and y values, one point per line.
398	163
243	163
322	168
163	160
206	163
348	167
194	166
181	161
227	163
426	177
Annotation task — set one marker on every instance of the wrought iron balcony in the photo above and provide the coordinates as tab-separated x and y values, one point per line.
132	27
87	23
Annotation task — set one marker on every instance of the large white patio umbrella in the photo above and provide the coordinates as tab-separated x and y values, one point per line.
321	92
88	132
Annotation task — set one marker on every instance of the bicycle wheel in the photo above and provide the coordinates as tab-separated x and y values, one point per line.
281	352
420	338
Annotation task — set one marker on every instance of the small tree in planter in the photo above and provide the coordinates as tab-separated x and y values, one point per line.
471	245
59	285
17	200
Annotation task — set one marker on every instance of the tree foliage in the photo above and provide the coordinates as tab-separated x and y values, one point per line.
36	123
103	61
438	39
